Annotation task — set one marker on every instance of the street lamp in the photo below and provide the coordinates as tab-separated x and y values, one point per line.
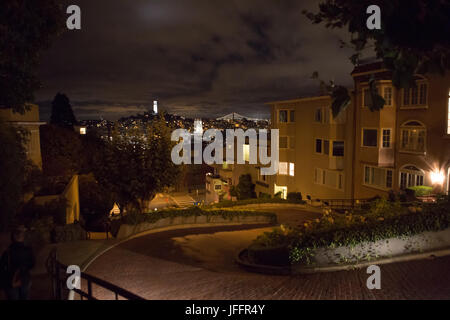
437	177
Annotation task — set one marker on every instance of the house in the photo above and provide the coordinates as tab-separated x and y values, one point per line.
360	153
29	121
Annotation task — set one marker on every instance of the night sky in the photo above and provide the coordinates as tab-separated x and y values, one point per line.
201	58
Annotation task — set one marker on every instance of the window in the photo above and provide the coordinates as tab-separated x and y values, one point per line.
386	138
326	147
370	137
416	96
378	177
283	142
291	169
218	187
318	115
367	98
413	135
283	168
318	175
410	176
388	96
318	145
338	148
292	116
282	116
423	94
389	179
329	178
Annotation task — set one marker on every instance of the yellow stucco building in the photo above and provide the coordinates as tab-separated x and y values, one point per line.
360	153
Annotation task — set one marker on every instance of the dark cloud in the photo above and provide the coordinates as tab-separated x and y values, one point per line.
197	57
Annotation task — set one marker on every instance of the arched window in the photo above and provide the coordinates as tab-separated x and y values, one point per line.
413	137
411	176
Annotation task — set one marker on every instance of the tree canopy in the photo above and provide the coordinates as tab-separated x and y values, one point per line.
62	113
137	164
26	29
414	37
16	170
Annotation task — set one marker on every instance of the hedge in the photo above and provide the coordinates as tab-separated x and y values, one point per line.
382	221
151	217
229	203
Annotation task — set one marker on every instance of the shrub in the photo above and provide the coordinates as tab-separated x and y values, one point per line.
294	196
229	203
245	188
263	195
420	191
383	220
151	217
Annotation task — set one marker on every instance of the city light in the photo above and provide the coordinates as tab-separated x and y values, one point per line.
437	177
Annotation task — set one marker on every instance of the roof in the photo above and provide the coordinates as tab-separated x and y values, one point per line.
307	98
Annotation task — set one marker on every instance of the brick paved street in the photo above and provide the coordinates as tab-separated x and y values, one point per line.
181	265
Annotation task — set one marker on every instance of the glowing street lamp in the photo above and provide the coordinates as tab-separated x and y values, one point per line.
437	177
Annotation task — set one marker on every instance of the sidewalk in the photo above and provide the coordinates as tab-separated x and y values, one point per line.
70	253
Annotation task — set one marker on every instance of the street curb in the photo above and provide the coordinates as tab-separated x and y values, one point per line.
289	270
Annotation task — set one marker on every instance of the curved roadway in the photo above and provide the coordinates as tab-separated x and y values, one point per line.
199	264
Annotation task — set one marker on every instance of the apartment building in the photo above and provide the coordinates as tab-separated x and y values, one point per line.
314	148
360	153
405	144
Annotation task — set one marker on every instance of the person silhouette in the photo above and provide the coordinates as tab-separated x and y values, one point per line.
18	260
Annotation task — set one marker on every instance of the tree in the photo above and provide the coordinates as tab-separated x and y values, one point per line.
245	188
15	169
62	113
137	164
26	29
62	152
414	37
95	201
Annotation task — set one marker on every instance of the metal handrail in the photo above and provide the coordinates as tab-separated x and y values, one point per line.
57	271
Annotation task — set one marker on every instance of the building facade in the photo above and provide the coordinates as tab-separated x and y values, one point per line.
29	121
407	143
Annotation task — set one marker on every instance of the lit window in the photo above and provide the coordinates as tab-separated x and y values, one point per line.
291	169
246	152
82	130
413	136
282	116
338	148
388	96
370	137
386	138
283	168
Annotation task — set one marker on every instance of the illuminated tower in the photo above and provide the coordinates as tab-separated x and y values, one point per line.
198	126
155	107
